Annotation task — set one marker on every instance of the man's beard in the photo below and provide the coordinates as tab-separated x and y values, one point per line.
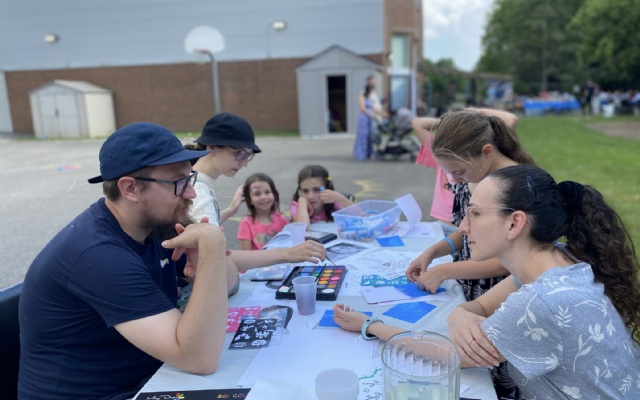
164	230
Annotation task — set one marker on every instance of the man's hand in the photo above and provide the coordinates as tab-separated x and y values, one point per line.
189	239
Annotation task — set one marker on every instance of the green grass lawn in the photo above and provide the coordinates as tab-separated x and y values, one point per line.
568	150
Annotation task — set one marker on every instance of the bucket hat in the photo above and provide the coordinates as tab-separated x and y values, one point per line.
227	129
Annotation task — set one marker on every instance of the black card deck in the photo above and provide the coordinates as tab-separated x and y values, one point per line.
319	236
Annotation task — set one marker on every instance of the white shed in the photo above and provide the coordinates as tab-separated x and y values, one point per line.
328	88
71	109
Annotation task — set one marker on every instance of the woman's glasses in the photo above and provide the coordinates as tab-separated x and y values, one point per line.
241	154
179	186
471	211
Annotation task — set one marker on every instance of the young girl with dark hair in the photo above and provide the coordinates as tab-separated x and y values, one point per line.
263	201
315	198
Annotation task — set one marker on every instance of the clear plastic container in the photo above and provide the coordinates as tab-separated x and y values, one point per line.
421	366
337	384
367	220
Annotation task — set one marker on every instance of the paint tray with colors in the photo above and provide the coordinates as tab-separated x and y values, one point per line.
328	277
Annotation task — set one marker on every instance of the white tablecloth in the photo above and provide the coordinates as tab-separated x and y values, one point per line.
233	363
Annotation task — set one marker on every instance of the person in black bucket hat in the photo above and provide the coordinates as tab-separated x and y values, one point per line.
231	142
101	297
226	129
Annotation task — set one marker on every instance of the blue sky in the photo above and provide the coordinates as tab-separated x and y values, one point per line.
453	29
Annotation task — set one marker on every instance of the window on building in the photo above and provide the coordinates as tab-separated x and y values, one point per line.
400	50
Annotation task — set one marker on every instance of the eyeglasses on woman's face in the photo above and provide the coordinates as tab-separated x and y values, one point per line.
472	212
242	154
179	186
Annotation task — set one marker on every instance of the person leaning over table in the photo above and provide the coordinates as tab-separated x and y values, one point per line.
470	144
231	144
98	312
568	319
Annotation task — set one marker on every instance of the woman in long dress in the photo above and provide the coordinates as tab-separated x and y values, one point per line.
363	149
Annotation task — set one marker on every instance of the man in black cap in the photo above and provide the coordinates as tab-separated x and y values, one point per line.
98	306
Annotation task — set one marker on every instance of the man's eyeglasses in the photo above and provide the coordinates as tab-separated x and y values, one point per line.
241	154
315	190
179	186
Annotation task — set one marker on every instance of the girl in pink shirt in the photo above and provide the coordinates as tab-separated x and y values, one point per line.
315	199
265	220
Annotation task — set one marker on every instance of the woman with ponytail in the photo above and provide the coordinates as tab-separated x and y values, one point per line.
568	318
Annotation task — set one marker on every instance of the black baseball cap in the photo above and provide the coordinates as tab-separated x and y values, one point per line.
139	145
227	129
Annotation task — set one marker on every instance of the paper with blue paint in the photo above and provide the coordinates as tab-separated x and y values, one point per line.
390	241
410	312
327	318
377	280
412	290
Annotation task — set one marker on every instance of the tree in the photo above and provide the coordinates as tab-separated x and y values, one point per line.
609	32
528	39
442	80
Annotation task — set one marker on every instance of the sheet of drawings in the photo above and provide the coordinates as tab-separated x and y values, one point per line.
371	386
387	264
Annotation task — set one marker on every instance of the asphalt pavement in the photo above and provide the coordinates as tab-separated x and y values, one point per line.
44	185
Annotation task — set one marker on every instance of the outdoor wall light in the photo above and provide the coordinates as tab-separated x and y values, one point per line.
279	25
51	38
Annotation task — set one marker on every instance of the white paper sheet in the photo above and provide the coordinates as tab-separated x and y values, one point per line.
420	230
410	208
267	389
298	366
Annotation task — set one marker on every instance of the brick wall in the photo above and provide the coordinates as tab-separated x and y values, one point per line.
179	96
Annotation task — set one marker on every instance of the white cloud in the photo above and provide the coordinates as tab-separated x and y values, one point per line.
453	29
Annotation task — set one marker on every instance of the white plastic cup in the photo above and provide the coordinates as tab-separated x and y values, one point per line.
305	288
337	384
297	230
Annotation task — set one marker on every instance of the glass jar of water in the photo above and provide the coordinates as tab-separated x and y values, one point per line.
420	366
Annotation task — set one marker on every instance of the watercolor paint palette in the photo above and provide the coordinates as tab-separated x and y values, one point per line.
328	277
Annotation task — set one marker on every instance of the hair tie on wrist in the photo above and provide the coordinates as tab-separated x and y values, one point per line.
454	250
366	324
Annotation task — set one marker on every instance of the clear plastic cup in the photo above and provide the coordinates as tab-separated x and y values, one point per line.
297	230
305	288
337	384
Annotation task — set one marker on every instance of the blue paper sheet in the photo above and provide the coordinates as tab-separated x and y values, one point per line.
390	241
411	289
410	312
327	318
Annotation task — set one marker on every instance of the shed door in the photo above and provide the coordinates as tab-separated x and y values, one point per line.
59	115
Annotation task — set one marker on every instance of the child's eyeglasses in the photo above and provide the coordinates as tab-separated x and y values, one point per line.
241	154
315	190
